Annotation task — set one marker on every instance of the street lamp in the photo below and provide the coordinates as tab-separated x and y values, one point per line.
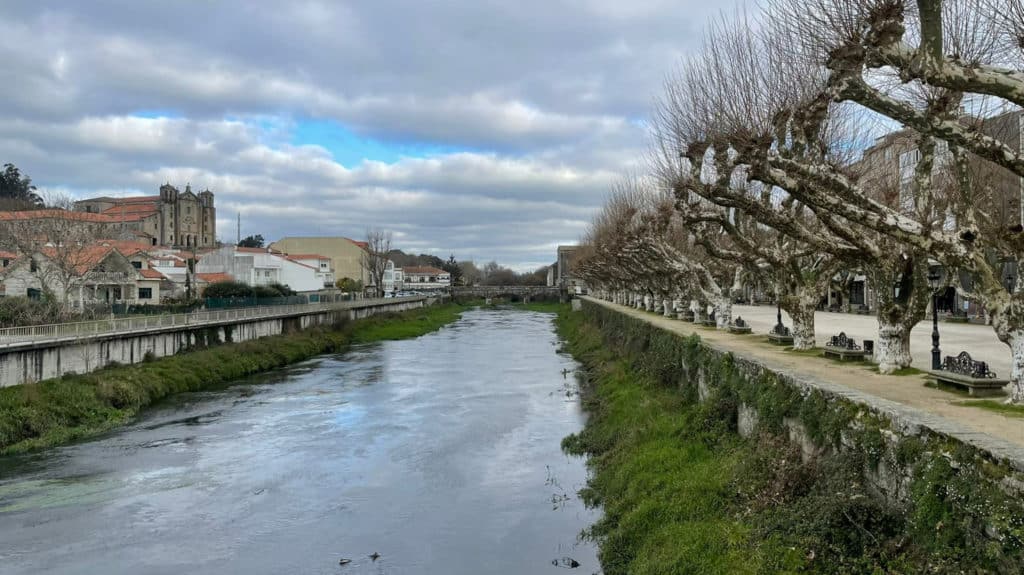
1011	282
933	282
779	328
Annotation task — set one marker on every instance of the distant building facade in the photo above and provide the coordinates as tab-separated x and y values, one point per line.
425	277
564	277
346	255
263	266
172	218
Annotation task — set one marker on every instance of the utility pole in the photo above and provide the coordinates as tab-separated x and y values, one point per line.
238	239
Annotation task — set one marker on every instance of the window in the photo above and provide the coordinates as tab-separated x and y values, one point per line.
188	209
137	265
145	293
33	266
6	262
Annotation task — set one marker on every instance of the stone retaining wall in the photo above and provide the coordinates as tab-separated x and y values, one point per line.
913	460
44	360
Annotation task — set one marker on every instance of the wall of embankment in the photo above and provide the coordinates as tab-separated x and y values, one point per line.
36	361
937	473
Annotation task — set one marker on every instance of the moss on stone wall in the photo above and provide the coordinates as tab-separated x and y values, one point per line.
821	484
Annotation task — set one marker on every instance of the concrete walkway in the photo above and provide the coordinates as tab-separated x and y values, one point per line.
978	340
995	432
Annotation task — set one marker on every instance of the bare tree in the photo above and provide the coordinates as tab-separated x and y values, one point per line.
60	242
375	258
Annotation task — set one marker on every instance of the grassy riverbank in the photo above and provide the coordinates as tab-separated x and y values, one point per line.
682	492
57	411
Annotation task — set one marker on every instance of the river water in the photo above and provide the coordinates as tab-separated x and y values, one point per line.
439	453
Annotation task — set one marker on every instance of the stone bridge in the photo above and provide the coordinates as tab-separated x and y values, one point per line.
523	293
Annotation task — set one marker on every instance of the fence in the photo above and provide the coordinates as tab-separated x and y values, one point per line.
15	335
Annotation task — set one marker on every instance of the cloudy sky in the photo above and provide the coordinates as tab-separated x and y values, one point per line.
490	129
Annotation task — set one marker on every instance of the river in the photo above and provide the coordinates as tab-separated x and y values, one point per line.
440	453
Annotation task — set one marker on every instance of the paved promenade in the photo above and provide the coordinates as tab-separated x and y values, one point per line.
940	410
978	340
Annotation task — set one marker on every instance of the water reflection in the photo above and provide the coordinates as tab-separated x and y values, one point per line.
440	453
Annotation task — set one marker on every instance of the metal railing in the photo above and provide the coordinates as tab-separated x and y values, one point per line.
59	331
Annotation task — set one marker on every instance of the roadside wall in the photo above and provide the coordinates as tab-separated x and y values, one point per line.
923	465
38	361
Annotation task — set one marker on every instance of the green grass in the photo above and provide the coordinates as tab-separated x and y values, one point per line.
997	406
664	480
412	324
682	492
72	407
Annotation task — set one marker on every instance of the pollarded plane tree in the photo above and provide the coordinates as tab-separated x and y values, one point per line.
737	97
876	52
689	255
610	257
774	238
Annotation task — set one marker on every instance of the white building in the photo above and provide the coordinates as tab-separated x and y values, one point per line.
394	278
261	266
425	277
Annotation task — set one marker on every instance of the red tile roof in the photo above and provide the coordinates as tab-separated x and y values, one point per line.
213	278
131	209
81	260
126	247
151	274
363	245
421	270
26	215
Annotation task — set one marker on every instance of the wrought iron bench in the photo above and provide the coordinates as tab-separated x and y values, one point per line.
780	335
963	371
739	326
709	321
843	348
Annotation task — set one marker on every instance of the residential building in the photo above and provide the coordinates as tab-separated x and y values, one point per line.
346	255
263	266
425	277
394	278
171	218
886	172
94	274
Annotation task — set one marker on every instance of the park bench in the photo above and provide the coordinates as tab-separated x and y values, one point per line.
963	371
843	348
739	326
780	335
686	315
709	321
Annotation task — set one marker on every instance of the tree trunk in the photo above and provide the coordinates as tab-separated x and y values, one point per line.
803	325
892	351
723	312
658	304
1015	339
667	307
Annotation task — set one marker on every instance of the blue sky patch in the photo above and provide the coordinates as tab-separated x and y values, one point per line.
349	148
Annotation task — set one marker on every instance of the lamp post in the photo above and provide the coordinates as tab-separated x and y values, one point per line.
779	328
933	283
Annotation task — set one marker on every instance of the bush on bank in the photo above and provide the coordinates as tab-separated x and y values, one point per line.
682	492
74	406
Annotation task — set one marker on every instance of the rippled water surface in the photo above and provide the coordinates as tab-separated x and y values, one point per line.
440	453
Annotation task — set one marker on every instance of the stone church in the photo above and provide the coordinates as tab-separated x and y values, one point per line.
173	218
